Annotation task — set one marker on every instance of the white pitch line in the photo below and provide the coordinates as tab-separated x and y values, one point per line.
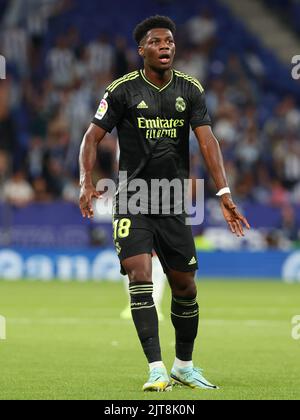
244	322
116	321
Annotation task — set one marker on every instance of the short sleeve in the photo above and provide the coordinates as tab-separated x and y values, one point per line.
199	114
110	111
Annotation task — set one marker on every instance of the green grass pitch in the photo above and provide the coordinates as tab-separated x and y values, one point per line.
66	341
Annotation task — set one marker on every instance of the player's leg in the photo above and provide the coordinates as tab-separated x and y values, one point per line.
134	243
159	281
185	319
144	315
176	249
184	313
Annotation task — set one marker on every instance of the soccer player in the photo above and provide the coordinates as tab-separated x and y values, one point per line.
153	109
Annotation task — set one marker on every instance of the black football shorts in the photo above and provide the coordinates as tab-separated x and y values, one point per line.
168	236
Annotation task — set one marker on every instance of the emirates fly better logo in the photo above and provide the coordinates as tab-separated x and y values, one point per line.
2	67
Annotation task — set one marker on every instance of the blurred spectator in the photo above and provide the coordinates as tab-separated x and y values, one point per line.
35	157
121	59
81	70
34	12
201	28
54	175
4	172
40	190
60	61
262	188
254	64
193	63
73	41
77	110
275	239
244	186
295	194
17	191
7	129
71	190
289	223
279	196
248	151
291	162
101	56
14	45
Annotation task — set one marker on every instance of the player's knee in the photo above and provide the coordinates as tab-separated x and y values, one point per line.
139	275
190	291
187	290
183	284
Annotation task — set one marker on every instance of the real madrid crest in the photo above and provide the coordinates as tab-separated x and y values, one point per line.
180	104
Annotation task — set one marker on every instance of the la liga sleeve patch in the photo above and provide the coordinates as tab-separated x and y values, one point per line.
102	110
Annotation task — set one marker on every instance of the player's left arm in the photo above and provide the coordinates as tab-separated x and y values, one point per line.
212	154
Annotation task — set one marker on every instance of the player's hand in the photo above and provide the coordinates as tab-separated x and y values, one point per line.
87	193
232	216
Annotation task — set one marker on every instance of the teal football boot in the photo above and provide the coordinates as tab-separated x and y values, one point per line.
158	381
191	377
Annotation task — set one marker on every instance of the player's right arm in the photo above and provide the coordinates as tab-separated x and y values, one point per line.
87	159
108	115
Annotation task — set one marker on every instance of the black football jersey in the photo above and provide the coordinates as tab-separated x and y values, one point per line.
153	122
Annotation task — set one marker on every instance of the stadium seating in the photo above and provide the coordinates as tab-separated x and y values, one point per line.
91	19
288	10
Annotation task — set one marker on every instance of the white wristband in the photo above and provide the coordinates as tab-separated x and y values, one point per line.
223	191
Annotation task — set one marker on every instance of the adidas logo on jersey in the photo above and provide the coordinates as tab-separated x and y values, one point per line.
142	105
193	261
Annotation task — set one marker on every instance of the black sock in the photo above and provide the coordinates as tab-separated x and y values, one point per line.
145	319
185	319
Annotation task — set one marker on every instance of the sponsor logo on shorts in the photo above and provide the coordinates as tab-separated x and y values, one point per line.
118	248
193	261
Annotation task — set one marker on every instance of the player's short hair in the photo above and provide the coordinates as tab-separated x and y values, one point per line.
151	23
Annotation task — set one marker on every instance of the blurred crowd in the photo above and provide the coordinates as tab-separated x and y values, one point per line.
287	10
51	94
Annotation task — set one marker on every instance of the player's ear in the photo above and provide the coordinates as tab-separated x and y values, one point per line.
141	51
